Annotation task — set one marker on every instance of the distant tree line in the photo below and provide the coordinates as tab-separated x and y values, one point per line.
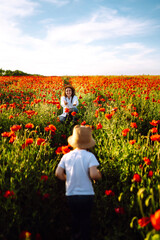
13	73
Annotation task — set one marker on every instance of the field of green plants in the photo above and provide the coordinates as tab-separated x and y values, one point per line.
124	113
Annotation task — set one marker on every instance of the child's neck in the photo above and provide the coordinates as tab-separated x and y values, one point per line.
80	148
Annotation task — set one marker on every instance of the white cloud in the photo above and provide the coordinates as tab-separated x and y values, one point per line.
78	59
11	33
59	3
15	8
74	49
105	24
132	48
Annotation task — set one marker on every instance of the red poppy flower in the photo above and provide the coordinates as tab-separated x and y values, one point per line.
136	177
73	113
9	193
84	103
125	131
144	221
109	193
11	134
23	146
29	125
24	235
141	166
119	210
155	137
10	117
155	220
12	139
150	174
147	161
154	123
102	109
46	196
66	110
115	109
52	127
58	106
5	134
58	150
40	141
133	125
154	130
47	129
65	149
135	114
146	98
30	112
99	126
132	142
108	116
96	113
44	178
83	123
29	141
63	136
15	128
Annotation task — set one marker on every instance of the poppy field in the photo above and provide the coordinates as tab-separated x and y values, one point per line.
124	114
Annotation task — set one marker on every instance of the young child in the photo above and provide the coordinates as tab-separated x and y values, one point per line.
77	168
69	101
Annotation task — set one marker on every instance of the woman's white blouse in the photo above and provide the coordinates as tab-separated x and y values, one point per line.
69	105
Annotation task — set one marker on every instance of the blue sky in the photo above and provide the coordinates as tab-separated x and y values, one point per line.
80	37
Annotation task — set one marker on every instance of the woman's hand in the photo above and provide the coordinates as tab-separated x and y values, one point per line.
65	102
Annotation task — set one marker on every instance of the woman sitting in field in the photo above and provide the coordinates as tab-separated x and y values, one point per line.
69	102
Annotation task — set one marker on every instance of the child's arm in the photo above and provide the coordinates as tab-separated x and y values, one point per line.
60	173
94	173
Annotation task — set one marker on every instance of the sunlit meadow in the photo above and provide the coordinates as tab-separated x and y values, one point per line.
124	113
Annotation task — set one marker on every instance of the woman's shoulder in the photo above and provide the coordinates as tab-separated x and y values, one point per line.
63	97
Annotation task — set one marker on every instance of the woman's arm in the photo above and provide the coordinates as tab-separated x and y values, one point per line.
63	101
94	173
59	173
75	101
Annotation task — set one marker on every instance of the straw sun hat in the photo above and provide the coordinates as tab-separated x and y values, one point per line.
81	137
69	86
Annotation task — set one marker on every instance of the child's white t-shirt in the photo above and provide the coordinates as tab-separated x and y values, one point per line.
76	164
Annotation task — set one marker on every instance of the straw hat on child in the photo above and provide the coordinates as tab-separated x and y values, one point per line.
81	137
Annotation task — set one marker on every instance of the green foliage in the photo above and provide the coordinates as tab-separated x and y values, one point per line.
13	73
38	205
